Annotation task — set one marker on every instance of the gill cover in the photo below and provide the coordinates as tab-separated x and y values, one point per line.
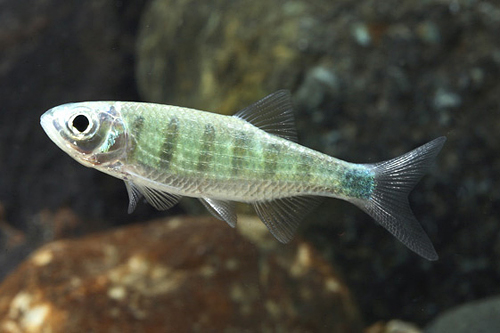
92	132
100	135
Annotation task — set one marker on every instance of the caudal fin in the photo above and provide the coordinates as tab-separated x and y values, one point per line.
388	203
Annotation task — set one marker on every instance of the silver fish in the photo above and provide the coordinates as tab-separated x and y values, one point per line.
165	152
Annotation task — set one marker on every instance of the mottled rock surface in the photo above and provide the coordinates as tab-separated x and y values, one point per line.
178	275
479	316
393	326
221	55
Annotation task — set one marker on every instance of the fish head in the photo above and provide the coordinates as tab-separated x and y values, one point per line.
93	133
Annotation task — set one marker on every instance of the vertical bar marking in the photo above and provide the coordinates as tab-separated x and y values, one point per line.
169	143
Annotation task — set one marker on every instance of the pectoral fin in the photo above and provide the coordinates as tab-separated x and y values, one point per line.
134	196
158	199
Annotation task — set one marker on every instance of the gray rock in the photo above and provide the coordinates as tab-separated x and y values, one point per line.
480	316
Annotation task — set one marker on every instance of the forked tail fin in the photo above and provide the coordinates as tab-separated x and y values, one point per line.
388	204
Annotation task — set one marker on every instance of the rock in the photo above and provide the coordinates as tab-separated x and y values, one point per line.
45	227
224	54
479	317
392	326
177	275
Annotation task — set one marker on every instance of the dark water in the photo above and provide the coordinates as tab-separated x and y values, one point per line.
370	81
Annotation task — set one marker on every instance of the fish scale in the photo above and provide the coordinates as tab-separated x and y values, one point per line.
244	157
165	152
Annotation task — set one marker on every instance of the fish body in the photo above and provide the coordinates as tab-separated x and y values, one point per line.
198	154
165	152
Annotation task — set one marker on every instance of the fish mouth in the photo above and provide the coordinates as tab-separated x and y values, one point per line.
46	121
52	128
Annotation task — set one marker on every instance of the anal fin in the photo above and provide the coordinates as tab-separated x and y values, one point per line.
282	216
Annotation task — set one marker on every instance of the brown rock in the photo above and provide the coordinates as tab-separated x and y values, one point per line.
393	326
222	55
176	275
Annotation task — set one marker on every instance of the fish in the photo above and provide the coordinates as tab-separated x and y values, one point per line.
165	152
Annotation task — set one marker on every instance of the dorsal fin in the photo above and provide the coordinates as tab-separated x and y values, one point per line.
273	114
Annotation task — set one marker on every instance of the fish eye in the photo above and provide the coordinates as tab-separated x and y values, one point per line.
81	123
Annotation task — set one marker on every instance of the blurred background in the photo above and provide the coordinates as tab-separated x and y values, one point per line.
370	80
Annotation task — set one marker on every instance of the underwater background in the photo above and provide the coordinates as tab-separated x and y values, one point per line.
370	80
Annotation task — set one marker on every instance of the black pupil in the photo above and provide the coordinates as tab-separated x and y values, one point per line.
81	123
